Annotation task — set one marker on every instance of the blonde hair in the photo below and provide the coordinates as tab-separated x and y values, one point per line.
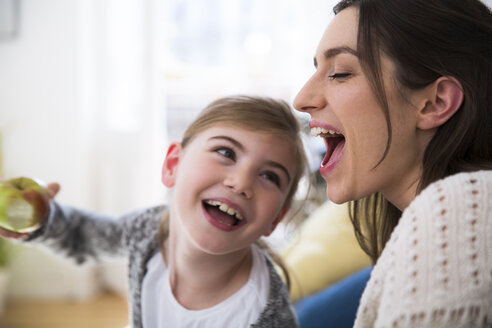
259	114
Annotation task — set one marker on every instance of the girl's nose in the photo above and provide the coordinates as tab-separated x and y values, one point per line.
240	183
311	96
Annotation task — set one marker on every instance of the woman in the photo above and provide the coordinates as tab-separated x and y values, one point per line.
401	96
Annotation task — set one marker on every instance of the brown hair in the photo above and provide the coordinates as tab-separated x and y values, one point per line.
259	114
427	39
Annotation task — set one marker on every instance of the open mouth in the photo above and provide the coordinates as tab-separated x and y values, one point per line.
223	213
334	143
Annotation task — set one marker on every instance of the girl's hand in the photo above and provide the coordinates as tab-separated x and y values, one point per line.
12	235
52	190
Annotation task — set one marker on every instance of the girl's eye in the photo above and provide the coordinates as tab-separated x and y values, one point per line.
339	76
273	177
226	152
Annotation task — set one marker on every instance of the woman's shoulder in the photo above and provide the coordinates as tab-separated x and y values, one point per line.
463	178
437	257
462	192
446	225
460	201
446	232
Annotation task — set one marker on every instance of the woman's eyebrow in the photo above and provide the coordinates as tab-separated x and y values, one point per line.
332	52
241	147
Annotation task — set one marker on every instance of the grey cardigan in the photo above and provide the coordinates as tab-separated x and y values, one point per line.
83	235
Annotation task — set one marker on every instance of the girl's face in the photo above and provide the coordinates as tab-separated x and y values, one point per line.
230	186
346	113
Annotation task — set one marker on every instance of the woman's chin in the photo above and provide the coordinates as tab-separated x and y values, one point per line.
336	196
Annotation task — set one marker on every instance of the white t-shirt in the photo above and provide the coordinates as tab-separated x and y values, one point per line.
160	308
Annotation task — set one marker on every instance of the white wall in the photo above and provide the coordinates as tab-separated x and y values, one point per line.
38	97
38	121
72	84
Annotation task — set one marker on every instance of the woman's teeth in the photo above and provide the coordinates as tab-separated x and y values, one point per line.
225	208
325	133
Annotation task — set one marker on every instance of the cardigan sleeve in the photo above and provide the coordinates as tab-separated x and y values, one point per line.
84	235
436	269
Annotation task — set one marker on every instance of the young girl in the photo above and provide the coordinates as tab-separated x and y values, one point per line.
233	176
402	97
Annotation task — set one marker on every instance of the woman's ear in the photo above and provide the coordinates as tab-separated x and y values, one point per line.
444	98
277	220
170	165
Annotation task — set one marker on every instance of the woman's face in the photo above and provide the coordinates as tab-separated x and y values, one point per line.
345	112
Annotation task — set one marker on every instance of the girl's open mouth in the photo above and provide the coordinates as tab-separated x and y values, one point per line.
222	216
334	143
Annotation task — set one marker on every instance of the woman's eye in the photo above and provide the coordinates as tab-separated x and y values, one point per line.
273	177
339	76
226	152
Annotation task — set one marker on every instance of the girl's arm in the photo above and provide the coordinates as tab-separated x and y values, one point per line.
82	235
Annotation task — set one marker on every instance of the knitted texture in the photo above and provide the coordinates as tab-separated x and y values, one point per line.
436	269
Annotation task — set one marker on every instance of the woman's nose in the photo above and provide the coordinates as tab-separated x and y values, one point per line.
240	182
311	96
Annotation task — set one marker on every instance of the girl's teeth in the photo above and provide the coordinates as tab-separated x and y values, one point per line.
225	208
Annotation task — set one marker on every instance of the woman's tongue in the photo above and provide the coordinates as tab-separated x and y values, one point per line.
334	147
220	216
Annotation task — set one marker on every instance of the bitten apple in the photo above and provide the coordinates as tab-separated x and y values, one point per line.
24	203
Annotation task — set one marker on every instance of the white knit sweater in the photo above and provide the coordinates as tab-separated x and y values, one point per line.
436	269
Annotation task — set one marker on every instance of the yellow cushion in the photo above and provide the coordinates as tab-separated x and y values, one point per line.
324	252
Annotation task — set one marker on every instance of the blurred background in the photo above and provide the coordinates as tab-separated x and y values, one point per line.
92	92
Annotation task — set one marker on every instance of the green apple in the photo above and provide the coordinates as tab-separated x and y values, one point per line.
24	204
